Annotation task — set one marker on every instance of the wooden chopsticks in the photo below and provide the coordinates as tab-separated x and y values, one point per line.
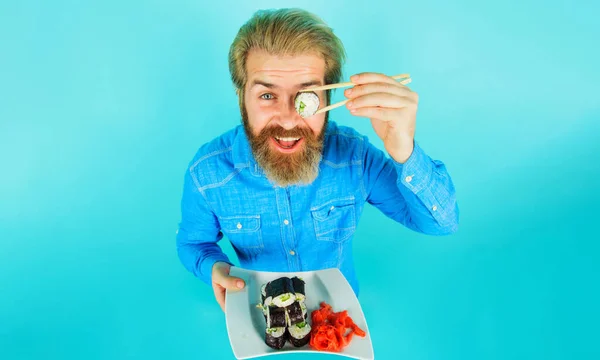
406	80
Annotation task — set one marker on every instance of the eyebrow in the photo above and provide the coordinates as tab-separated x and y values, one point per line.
273	86
311	83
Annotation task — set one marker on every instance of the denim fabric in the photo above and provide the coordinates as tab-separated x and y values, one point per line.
301	228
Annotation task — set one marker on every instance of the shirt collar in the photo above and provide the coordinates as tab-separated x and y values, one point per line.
242	153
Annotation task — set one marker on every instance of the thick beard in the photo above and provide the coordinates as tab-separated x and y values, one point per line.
298	168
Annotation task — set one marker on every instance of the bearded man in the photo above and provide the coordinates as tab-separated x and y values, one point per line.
288	191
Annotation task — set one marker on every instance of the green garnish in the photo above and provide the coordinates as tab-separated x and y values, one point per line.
271	330
285	297
301	325
302	106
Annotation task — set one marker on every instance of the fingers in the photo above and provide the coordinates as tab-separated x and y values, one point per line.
220	296
221	282
381	87
220	275
379	91
378	99
369	77
228	282
233	283
395	89
378	113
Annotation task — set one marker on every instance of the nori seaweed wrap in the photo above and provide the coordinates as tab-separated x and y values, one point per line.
281	291
276	317
299	334
276	337
282	303
298	285
295	313
280	286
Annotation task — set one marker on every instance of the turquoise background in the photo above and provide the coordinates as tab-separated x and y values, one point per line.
103	103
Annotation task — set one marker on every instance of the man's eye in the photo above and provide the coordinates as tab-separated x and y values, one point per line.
267	96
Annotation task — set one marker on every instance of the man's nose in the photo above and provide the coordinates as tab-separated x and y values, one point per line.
289	118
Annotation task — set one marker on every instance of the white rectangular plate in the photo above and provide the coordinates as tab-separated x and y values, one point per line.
246	323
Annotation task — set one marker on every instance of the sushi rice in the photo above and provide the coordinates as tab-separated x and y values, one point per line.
283	300
300	297
276	337
307	103
303	307
276	331
300	330
288	322
267	312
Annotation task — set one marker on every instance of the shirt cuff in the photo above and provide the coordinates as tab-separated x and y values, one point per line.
207	265
415	173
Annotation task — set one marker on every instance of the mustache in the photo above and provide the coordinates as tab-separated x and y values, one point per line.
281	132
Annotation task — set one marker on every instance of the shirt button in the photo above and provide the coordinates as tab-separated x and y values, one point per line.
286	221
292	253
239	226
331	208
434	208
408	179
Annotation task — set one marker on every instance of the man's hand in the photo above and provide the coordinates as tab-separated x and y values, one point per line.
221	281
391	107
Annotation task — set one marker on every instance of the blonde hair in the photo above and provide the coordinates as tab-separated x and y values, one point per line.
285	32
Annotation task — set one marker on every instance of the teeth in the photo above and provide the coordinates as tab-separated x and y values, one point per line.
287	138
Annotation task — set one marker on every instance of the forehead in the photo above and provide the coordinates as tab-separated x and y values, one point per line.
285	70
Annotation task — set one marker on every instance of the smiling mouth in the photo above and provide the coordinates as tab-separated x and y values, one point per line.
287	144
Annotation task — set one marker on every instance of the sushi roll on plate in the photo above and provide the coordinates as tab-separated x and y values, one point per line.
276	317
281	291
276	337
298	285
294	313
304	309
246	315
299	334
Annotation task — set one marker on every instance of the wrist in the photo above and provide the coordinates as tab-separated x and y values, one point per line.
403	152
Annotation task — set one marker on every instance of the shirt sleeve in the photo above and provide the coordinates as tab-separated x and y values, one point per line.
198	232
418	194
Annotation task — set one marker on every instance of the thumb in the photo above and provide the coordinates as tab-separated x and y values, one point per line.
223	279
232	283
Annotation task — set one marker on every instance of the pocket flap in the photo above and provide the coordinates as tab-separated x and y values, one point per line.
234	224
328	209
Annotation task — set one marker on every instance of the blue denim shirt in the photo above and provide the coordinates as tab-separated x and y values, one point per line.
302	228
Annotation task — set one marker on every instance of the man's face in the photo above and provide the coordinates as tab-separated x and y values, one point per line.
287	146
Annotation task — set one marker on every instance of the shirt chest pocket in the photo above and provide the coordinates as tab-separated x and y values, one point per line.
244	233
335	220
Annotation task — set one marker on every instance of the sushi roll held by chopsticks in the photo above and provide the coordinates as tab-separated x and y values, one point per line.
307	101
